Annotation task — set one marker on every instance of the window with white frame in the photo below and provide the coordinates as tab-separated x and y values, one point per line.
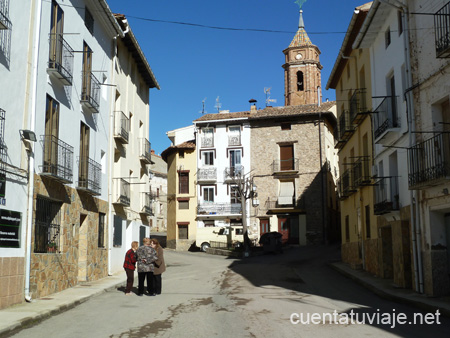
208	194
208	157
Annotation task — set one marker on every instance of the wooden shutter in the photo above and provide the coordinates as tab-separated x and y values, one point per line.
287	157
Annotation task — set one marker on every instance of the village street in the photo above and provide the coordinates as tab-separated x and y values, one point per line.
264	296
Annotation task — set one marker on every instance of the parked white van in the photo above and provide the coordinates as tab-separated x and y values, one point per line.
222	236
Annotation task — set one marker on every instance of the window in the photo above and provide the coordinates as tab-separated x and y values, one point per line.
83	170
87	69
181	154
286	194
208	194
5	31
51	135
234	194
400	22
183	231
347	228
47	225
183	183
208	137
101	230
208	223
117	232
300	86
234	137
208	157
235	162
183	205
286	126
56	34
393	100
387	37
89	20
367	221
286	157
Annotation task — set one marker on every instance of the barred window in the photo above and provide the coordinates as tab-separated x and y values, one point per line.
101	230
47	227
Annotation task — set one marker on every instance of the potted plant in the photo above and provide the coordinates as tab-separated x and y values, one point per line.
52	247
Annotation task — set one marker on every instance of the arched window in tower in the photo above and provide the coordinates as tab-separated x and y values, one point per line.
300	86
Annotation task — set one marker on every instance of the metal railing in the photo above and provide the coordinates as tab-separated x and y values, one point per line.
429	161
219	209
147	199
207	174
442	31
358	107
346	128
145	152
347	183
5	22
47	226
233	172
121	126
89	175
57	158
207	141
386	195
5	30
234	140
274	204
361	171
122	192
290	164
90	94
385	116
61	58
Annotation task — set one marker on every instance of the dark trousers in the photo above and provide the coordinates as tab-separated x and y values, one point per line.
130	279
142	277
157	284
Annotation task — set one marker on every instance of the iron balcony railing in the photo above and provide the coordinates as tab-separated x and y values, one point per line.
57	159
61	59
442	31
89	175
233	172
5	22
386	195
219	209
234	140
90	94
5	30
358	108
207	141
346	128
386	116
147	199
429	162
207	174
145	151
122	192
274	204
290	164
121	127
347	183
361	171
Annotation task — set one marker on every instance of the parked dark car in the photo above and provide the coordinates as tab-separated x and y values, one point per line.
271	242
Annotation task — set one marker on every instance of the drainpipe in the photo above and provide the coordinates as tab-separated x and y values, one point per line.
37	30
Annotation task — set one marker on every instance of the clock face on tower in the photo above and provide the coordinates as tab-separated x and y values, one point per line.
299	56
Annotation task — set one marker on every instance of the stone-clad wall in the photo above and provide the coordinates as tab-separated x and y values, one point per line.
350	254
11	281
79	258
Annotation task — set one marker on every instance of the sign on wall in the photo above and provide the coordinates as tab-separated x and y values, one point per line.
10	228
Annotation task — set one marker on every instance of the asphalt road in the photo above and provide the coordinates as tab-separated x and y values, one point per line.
285	295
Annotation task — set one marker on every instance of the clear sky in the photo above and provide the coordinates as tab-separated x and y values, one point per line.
193	63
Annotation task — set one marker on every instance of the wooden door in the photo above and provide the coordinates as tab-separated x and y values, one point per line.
284	228
263	226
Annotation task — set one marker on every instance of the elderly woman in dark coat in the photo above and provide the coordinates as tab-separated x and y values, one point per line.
146	256
160	266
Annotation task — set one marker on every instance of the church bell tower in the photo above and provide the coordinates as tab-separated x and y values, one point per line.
302	79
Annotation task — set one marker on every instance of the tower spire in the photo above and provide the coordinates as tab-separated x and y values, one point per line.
301	24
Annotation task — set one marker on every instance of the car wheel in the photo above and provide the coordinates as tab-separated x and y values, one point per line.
204	246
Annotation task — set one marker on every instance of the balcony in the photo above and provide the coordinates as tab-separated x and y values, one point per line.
442	31
346	184
145	151
146	202
274	204
386	121
346	129
121	192
231	173
220	209
361	171
89	176
90	94
207	142
5	22
57	159
429	162
288	166
208	174
121	127
358	108
386	196
234	140
60	64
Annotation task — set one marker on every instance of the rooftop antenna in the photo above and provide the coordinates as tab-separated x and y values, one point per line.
203	107
218	105
268	99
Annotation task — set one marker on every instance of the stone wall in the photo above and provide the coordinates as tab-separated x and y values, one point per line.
350	254
11	281
371	255
78	259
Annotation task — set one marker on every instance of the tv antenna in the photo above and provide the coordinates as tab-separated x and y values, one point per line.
203	107
268	99
218	105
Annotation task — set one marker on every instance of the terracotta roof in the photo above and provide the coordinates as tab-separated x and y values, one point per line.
223	116
181	146
305	109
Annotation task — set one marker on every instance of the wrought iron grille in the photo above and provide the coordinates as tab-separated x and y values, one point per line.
47	226
89	175
61	57
90	94
234	140
123	191
5	30
219	209
358	105
147	199
57	158
386	195
3	153
122	126
207	141
233	172
347	182
207	174
361	171
385	116
442	31
346	128
285	165
429	161
145	151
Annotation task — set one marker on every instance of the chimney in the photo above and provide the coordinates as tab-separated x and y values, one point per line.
253	106
153	152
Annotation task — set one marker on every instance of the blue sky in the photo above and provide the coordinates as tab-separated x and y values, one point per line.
193	63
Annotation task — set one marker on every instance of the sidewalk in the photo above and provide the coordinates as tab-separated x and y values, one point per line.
385	289
22	315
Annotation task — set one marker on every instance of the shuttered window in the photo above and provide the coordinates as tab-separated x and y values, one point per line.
287	157
184	183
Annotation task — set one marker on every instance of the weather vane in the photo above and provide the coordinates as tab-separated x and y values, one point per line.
300	3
